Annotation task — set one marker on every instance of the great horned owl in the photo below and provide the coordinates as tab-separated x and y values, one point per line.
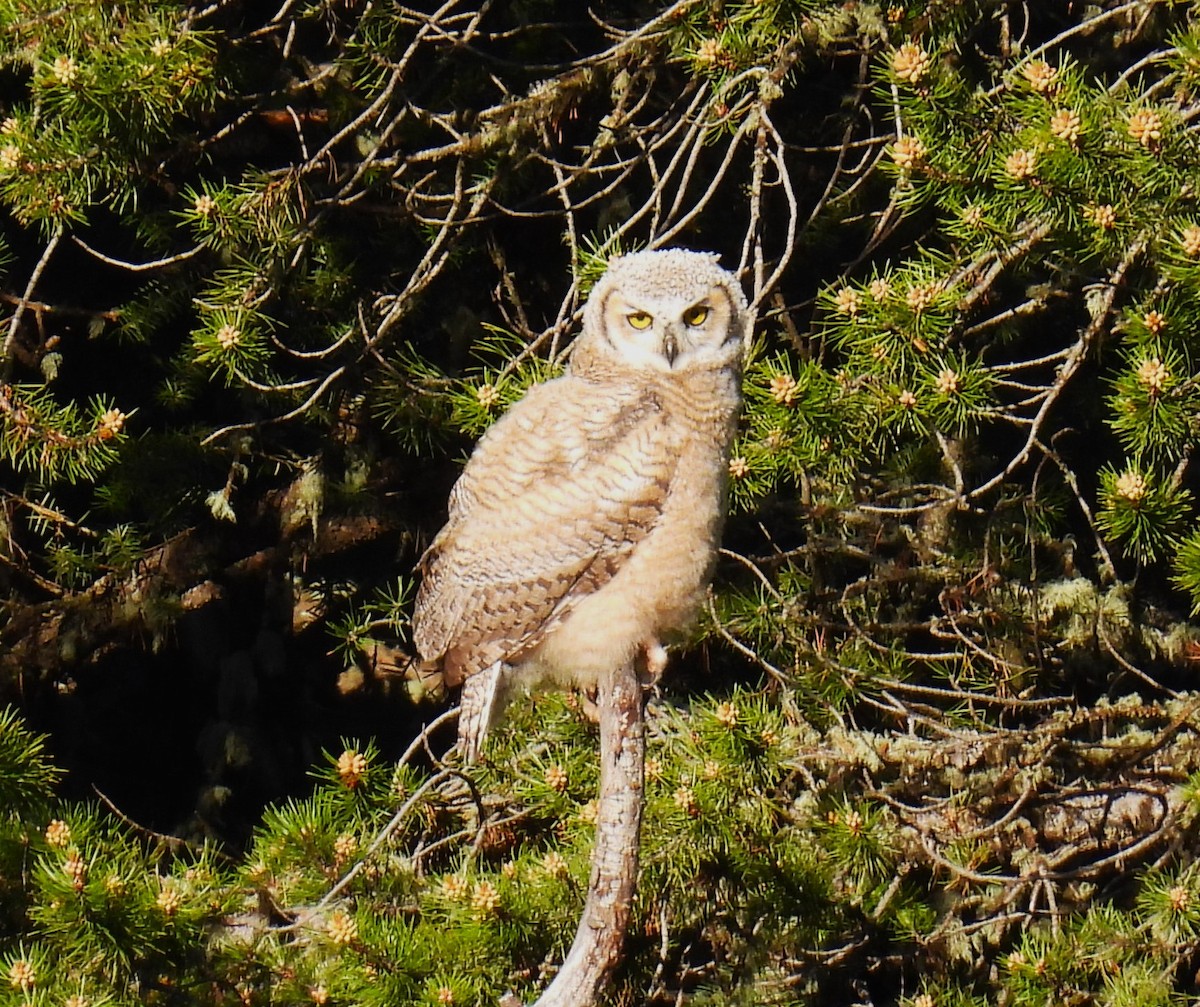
585	525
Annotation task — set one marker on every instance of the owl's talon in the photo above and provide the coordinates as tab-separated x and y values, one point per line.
653	663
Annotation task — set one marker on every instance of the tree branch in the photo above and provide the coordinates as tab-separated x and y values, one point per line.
596	951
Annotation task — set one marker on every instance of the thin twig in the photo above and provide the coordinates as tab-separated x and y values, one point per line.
14	323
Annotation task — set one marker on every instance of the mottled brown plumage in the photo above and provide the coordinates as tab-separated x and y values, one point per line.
586	522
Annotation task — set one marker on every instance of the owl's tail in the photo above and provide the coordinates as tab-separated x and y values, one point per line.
479	706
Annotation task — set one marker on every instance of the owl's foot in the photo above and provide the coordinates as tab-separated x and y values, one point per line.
649	664
653	663
588	705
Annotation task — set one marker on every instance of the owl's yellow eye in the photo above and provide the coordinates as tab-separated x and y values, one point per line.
695	316
639	319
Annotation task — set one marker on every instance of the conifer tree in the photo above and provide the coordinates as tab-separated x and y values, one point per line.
266	273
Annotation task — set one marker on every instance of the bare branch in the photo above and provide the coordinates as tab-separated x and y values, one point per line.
596	951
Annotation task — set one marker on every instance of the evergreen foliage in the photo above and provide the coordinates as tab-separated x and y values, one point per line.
265	274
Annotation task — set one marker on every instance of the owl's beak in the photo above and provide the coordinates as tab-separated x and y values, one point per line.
670	347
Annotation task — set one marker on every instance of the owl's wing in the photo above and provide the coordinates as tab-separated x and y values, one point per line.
555	497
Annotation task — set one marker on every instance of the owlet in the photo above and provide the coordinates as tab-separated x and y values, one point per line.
584	529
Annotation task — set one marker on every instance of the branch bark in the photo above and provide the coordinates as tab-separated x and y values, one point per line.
596	951
47	641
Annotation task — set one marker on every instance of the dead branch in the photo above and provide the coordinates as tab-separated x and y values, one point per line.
596	951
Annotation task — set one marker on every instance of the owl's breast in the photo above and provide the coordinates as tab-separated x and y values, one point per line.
661	585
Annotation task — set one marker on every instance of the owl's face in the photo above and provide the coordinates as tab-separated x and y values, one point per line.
670	311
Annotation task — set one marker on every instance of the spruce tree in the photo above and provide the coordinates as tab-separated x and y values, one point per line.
265	275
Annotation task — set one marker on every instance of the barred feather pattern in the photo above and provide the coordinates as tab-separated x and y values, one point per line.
585	526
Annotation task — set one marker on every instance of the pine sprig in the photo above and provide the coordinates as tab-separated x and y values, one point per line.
66	442
1142	511
27	776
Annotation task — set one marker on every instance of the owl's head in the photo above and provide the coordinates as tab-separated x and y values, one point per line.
670	310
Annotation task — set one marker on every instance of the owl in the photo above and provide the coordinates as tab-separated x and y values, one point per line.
583	531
